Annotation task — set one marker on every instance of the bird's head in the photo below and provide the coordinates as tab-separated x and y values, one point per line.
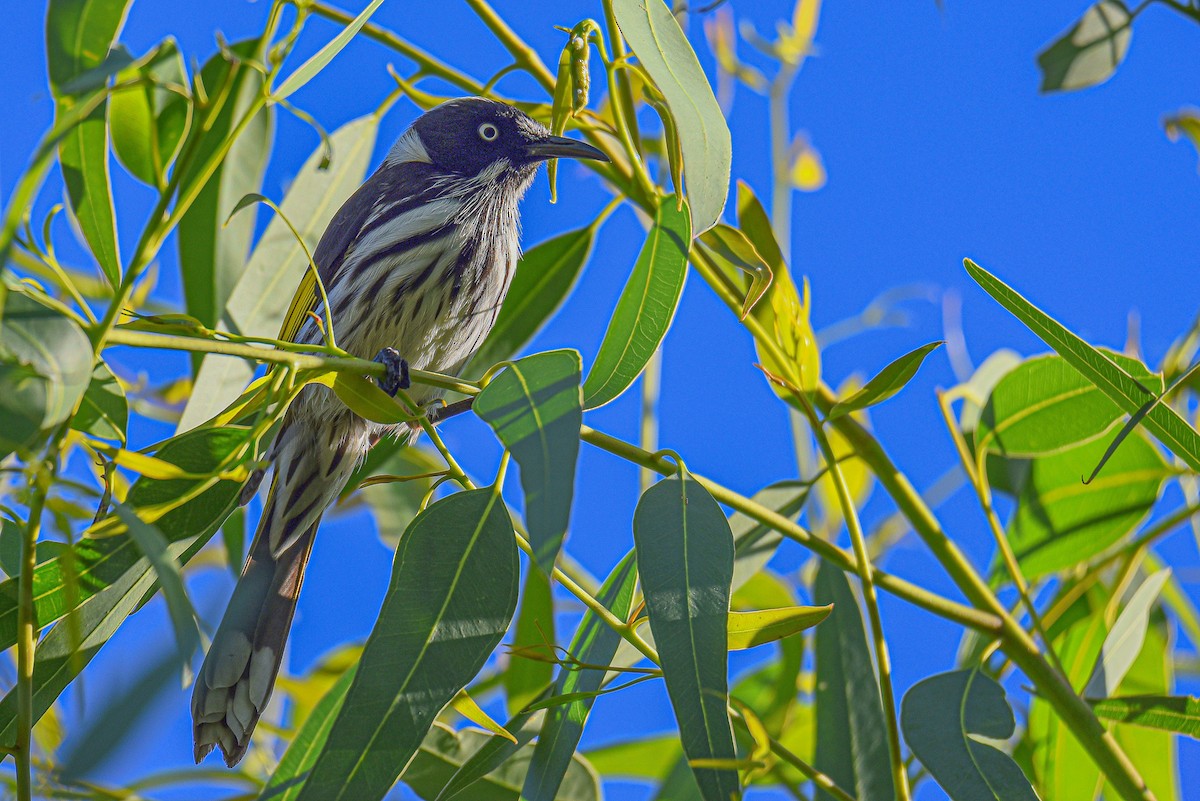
470	137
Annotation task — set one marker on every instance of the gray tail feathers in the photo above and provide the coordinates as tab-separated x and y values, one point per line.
234	685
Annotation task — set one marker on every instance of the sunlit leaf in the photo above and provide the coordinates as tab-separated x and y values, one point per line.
542	280
1091	51
529	667
666	55
1125	638
645	309
103	412
886	383
148	121
754	543
535	408
748	629
851	735
685	550
731	247
808	170
1184	124
494	752
1162	421
1175	713
309	69
452	594
952	722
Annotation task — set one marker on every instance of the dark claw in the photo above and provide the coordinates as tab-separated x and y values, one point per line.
397	371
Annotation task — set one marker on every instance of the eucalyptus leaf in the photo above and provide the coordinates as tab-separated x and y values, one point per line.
148	121
1091	51
1174	713
886	383
530	669
1125	638
103	411
309	69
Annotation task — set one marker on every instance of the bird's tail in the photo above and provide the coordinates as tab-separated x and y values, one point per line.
234	685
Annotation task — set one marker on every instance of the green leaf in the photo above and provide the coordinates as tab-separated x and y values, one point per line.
534	406
850	733
452	595
1125	638
648	758
79	35
1174	713
396	503
668	58
444	751
645	308
733	251
886	383
103	412
1162	421
105	555
754	544
529	667
309	69
153	545
1044	405
148	121
748	629
1091	51
287	780
1061	522
258	304
543	278
495	752
685	550
978	388
594	643
951	722
45	366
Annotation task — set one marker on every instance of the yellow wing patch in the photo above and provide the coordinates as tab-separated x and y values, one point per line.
304	301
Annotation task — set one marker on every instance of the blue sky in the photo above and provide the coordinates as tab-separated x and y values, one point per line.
937	145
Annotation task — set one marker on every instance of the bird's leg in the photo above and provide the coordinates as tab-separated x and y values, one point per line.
396	378
440	413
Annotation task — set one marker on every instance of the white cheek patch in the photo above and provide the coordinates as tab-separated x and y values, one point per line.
408	148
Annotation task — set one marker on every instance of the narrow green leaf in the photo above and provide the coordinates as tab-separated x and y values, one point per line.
148	121
668	58
755	544
45	366
1044	405
103	412
543	278
1091	51
1125	638
886	383
594	643
748	629
951	722
153	545
1061	522
1162	421
733	251
529	669
851	739
79	35
1174	713
452	595
396	503
211	254
685	550
534	406
645	308
309	69
495	752
258	304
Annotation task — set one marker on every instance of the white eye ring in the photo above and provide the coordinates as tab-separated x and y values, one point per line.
488	132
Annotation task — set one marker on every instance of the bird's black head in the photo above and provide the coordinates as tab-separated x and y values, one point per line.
469	135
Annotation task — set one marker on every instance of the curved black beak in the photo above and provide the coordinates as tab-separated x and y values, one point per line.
556	147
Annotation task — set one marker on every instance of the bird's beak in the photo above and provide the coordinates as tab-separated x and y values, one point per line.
554	147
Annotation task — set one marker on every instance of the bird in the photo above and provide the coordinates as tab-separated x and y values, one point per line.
415	265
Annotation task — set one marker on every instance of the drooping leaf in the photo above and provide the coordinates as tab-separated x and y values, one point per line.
535	408
529	667
1125	638
645	308
148	121
1044	405
733	250
1060	521
748	629
452	595
1091	51
685	550
309	69
668	58
1162	421
103	412
886	383
594	643
79	35
45	366
851	734
211	253
256	307
951	722
542	280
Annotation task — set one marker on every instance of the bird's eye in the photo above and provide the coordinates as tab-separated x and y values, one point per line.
488	132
